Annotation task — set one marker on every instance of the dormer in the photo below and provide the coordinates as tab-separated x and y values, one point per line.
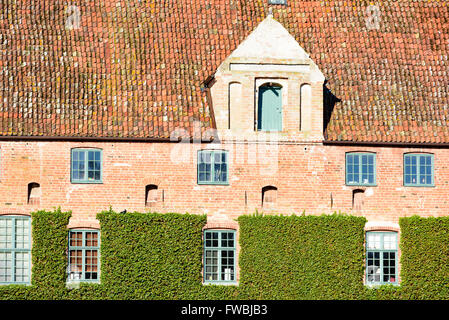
269	85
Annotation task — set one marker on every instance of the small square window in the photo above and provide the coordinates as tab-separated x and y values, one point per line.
213	167
86	166
418	170
360	169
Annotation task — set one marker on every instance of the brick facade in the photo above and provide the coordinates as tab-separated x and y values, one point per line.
308	177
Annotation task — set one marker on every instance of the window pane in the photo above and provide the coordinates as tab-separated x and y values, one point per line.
205	157
373	267
76	239
22	264
227	265
350	159
390	241
211	265
373	241
5	267
204	167
6	241
90	264
211	239
75	264
22	234
91	239
407	160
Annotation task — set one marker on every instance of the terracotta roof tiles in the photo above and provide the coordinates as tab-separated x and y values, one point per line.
135	68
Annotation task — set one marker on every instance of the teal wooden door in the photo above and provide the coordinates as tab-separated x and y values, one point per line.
269	114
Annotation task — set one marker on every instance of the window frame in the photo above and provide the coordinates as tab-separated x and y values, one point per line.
83	248
360	154
418	173
86	160
15	250
219	250
212	163
381	251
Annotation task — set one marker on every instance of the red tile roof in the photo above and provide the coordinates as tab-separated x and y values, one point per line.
135	68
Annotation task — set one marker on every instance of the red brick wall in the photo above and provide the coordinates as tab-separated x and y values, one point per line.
307	177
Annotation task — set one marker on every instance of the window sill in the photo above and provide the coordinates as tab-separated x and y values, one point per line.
75	284
379	285
419	186
218	283
86	182
213	184
361	185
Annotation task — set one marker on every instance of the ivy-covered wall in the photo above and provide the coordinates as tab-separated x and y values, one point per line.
159	256
425	257
48	258
301	257
150	256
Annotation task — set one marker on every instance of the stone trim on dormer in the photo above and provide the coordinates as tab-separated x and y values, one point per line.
270	54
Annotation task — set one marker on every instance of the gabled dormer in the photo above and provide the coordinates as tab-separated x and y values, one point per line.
269	84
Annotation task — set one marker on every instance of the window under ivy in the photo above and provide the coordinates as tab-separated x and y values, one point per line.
83	255
381	257
219	256
15	249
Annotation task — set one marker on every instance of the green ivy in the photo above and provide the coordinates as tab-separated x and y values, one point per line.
425	257
150	256
49	259
159	256
301	257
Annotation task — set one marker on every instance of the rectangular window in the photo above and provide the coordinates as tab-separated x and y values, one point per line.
15	249
418	170
219	256
361	169
86	166
212	167
83	255
381	257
